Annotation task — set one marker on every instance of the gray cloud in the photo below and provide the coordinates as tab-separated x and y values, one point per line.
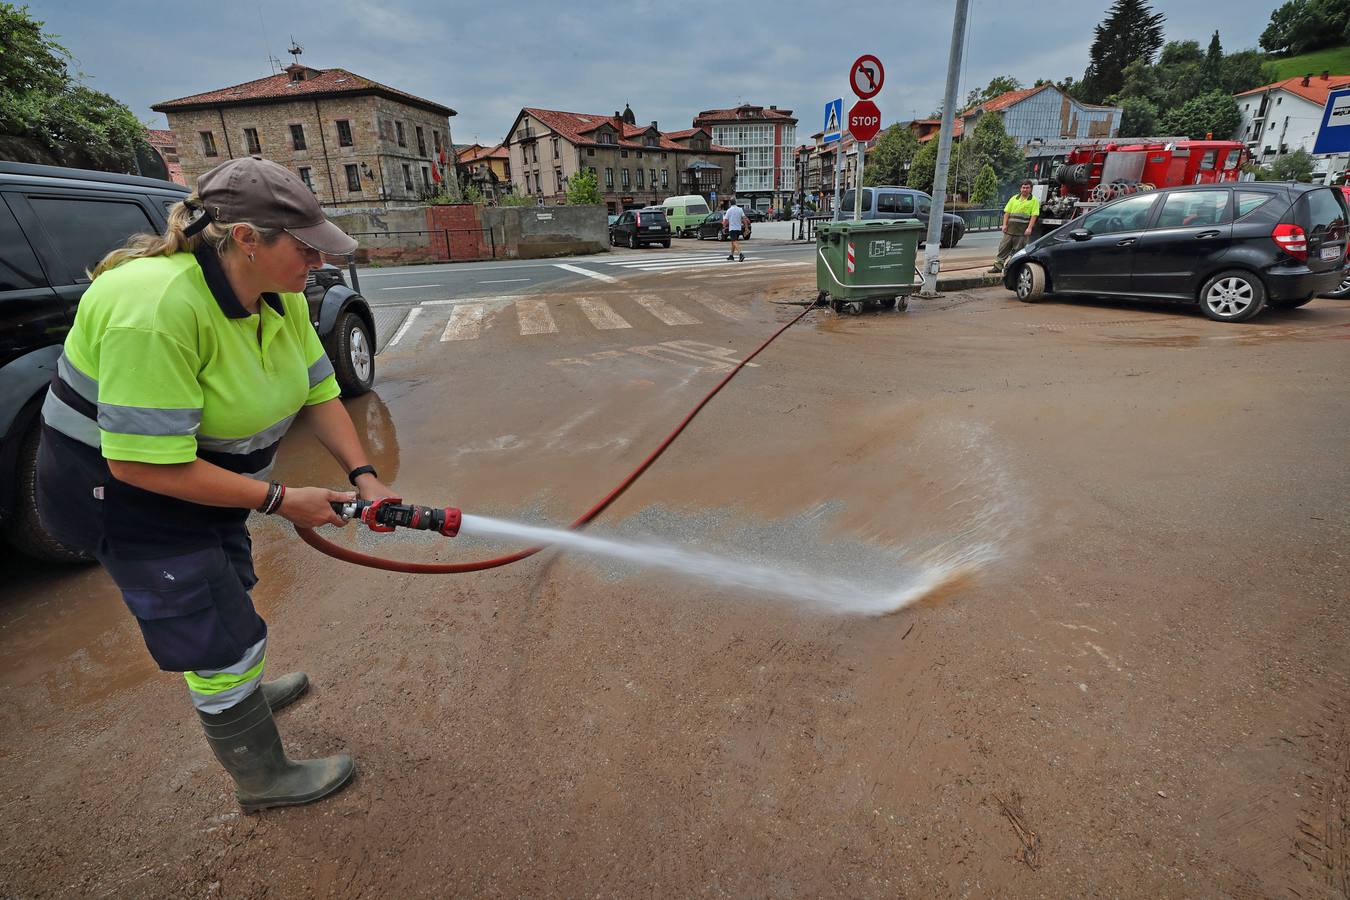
669	60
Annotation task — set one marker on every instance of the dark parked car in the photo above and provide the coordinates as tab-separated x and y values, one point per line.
639	227
755	215
890	202
711	227
55	225
1232	248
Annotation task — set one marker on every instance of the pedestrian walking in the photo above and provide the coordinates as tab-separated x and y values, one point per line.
1019	218
733	220
190	356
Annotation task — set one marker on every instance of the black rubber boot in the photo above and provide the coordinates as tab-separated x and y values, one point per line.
245	741
285	690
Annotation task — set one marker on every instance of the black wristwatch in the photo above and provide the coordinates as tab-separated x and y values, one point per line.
359	471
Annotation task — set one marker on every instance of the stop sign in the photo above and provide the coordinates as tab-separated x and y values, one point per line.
864	120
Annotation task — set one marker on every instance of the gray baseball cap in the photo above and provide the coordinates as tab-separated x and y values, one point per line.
269	195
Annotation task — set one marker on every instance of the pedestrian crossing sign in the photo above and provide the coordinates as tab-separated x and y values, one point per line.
834	114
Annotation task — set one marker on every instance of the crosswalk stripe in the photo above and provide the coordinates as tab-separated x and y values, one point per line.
664	311
721	307
466	322
600	314
662	260
598	276
534	317
407	323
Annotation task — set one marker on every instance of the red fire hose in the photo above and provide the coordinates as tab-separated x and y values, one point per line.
394	565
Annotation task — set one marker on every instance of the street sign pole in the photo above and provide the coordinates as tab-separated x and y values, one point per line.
932	252
857	182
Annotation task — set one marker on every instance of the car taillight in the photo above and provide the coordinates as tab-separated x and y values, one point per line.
1292	240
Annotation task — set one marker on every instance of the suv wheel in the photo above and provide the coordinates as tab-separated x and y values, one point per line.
23	529
1232	296
353	355
1342	289
1031	282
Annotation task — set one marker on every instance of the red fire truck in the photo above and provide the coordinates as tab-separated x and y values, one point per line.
1093	174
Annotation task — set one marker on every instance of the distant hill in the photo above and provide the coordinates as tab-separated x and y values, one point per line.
1333	59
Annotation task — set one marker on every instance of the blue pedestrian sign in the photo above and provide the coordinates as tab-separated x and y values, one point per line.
712	195
1334	134
834	115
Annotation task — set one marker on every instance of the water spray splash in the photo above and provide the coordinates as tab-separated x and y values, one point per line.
826	593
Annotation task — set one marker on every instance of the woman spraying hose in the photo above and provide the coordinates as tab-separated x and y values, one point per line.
190	356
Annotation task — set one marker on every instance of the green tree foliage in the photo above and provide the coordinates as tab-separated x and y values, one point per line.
999	84
894	151
583	190
985	191
39	100
923	167
988	144
1138	117
1302	25
1182	73
1296	166
1130	31
517	200
1212	113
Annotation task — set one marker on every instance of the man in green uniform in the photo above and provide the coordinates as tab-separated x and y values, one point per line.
1019	217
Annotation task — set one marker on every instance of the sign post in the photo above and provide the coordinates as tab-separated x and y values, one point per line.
865	76
1333	135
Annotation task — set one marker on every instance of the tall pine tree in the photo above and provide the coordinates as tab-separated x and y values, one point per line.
1131	31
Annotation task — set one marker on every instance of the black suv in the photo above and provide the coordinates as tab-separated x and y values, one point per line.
639	227
55	225
1232	248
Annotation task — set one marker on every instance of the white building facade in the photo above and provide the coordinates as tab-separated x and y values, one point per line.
1278	119
765	141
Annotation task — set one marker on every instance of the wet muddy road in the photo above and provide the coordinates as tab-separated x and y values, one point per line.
1141	689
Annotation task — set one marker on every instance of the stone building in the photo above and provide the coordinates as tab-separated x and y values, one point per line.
634	165
486	168
765	140
166	146
354	141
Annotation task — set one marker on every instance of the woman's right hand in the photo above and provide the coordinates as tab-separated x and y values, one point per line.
310	507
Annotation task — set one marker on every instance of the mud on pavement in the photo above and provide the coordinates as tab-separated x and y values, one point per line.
1146	693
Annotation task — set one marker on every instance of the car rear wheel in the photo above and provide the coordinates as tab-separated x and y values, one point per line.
1031	282
1232	296
23	529
353	355
1342	289
666	243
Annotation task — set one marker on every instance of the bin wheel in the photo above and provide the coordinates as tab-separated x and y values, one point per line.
836	304
854	308
821	298
901	304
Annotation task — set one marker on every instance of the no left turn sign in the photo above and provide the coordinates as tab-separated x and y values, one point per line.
866	76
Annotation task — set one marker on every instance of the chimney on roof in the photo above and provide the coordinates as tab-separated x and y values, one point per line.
1307	78
296	71
1326	73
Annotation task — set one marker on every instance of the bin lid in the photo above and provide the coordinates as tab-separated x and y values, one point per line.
846	226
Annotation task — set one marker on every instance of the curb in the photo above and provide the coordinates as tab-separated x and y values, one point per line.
968	282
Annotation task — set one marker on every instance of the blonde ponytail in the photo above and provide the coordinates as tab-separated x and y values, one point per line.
174	240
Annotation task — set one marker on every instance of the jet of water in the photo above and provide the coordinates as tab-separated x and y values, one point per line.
826	593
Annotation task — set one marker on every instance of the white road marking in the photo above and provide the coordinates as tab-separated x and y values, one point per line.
410	287
453	301
598	276
664	311
534	316
721	307
466	323
504	281
407	323
600	314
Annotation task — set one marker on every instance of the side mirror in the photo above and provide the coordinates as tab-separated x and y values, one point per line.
1080	234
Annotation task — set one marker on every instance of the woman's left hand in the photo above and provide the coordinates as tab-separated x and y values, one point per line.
369	487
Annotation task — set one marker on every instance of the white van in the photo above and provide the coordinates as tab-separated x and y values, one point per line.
685	213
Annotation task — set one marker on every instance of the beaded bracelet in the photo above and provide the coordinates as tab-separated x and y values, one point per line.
275	494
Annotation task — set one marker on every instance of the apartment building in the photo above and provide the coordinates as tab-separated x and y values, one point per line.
765	141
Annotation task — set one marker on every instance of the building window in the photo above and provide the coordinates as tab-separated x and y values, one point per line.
251	139
298	137
407	177
421	142
623	153
534	153
555	149
538	184
609	178
639	154
426	176
506	167
663	157
623	178
400	136
344	133
653	176
665	178
307	177
594	174
353	180
436	140
558	179
208	144
590	151
641	178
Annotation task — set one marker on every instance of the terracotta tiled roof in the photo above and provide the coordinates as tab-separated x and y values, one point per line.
958	128
579	128
1005	100
161	136
746	112
317	83
477	153
1315	91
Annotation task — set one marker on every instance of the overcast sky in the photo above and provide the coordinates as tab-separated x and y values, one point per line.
668	59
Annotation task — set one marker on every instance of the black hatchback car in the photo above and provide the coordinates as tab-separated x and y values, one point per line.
55	225
711	228
1232	248
640	227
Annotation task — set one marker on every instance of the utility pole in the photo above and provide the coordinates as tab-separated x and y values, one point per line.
932	263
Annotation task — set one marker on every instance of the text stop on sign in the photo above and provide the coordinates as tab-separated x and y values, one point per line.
864	120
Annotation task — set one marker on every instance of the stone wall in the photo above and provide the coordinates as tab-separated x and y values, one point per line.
524	232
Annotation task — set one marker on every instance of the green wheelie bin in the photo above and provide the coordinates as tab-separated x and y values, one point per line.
867	262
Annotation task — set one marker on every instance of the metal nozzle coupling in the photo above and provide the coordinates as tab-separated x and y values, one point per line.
388	513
